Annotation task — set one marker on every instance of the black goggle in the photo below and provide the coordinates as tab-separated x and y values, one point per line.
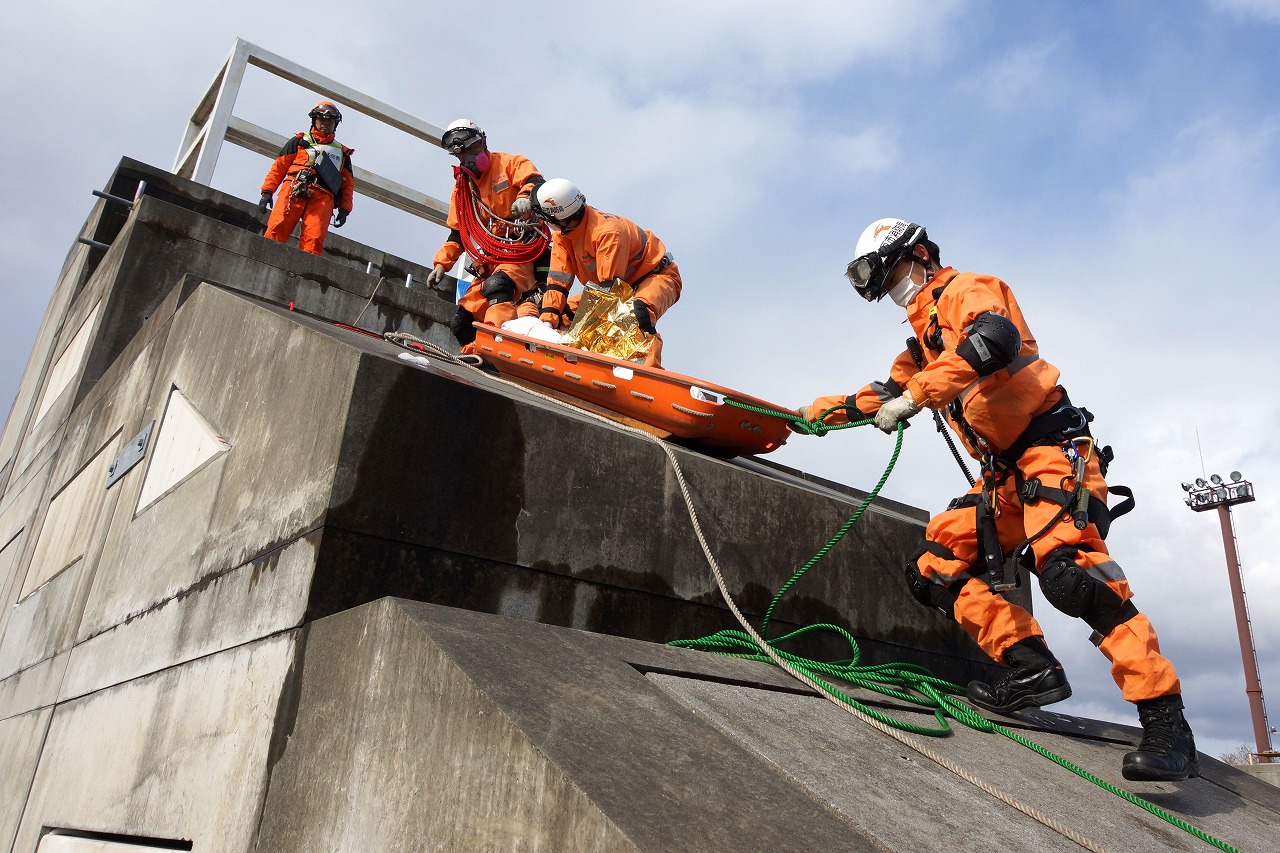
459	141
328	115
867	275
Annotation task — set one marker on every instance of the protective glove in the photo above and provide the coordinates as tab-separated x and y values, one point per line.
644	317
340	218
899	409
436	275
521	206
264	203
803	412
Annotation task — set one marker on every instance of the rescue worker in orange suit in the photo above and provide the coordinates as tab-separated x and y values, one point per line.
313	173
1042	494
597	247
504	184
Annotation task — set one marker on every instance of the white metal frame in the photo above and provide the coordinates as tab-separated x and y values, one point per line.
212	123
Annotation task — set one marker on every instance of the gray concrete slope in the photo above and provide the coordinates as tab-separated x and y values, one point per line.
421	727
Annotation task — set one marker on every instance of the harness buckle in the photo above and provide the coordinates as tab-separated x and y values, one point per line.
1030	492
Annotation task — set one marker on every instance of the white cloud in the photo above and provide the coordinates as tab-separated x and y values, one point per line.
1264	10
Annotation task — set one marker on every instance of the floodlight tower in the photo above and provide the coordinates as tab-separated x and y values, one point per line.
1223	495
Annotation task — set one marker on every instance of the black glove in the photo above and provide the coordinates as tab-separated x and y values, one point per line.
644	319
340	218
264	203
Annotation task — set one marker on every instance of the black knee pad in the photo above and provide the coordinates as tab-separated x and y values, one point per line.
927	592
1075	592
498	288
461	326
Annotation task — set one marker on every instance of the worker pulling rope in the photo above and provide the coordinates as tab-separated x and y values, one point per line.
904	682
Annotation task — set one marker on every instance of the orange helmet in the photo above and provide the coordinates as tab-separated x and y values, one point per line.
325	109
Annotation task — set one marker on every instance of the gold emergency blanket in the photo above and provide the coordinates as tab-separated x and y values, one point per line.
605	323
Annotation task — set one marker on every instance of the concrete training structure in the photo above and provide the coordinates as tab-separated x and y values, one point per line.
275	585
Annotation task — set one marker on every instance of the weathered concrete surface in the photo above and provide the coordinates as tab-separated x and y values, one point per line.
172	233
1266	772
418	724
182	754
254	600
21	739
393	748
182	228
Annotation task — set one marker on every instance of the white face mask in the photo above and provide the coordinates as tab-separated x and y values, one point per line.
905	289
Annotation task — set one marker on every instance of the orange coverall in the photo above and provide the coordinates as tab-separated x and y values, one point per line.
998	409
509	176
603	247
314	211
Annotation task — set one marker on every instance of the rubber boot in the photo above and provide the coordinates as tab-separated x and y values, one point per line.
1034	678
1168	749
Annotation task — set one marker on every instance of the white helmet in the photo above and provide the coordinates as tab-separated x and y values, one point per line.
881	246
558	200
459	134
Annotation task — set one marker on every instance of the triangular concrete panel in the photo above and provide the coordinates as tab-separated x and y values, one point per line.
186	442
67	367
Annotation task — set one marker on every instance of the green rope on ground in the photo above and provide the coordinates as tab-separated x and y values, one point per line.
905	682
1119	792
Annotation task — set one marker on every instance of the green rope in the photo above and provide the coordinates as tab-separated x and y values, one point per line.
904	682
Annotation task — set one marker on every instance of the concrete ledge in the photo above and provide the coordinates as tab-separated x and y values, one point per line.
416	721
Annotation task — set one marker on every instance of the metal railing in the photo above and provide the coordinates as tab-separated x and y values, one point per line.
212	123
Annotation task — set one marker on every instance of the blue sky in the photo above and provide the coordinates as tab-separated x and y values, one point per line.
1115	162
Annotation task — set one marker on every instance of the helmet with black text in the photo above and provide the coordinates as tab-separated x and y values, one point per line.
560	203
882	245
325	109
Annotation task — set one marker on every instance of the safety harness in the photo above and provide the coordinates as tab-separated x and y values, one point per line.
320	167
1066	426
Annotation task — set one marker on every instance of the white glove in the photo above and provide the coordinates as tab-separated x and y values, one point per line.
436	275
521	206
899	409
803	412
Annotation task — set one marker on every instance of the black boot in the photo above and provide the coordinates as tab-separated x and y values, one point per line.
1034	678
1168	749
460	325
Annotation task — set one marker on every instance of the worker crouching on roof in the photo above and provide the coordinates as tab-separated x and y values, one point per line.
597	247
974	357
503	183
313	173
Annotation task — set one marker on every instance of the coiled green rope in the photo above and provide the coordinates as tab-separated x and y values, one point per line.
905	682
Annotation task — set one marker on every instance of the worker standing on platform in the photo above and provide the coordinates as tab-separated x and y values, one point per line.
315	173
597	247
502	184
1040	503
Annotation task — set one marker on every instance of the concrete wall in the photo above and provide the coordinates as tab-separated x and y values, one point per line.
154	621
1266	772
